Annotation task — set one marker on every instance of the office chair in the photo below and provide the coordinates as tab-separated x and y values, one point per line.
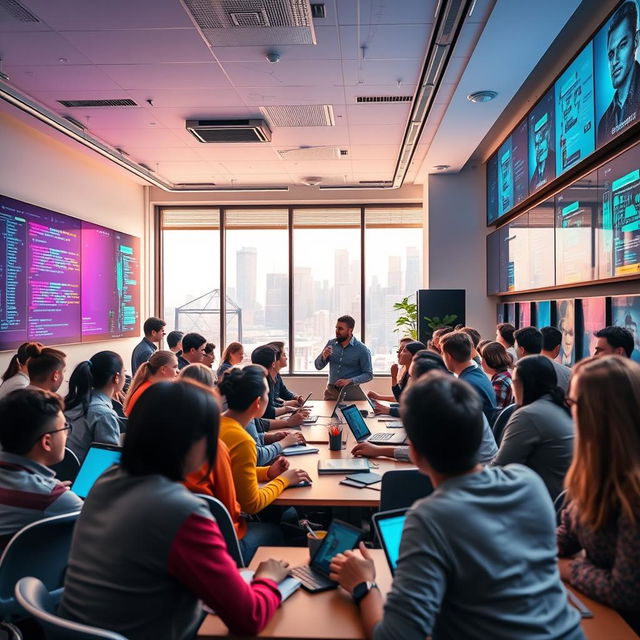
34	598
501	422
40	549
402	487
225	524
68	467
559	504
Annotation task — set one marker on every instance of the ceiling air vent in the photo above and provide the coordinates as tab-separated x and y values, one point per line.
13	11
225	131
310	153
123	102
303	115
317	10
238	23
383	99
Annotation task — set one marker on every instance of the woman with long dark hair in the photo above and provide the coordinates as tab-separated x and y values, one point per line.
17	375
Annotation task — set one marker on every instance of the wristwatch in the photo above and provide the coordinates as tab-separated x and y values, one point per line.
361	590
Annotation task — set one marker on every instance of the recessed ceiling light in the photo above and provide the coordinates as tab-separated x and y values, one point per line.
62	60
442	167
482	96
312	181
272	57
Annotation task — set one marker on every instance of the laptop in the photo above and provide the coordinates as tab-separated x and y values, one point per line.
388	526
338	402
98	459
314	576
361	432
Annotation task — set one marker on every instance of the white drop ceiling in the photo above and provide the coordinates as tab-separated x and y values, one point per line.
150	50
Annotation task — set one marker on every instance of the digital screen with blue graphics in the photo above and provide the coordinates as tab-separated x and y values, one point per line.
390	530
543	313
625	311
542	132
339	538
96	462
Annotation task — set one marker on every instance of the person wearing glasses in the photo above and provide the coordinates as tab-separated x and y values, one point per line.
33	434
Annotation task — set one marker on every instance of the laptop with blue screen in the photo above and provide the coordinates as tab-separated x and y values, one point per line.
361	432
388	526
98	459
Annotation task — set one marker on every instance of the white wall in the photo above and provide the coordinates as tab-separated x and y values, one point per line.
39	168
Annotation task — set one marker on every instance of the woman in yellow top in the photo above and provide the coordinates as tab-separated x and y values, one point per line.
246	392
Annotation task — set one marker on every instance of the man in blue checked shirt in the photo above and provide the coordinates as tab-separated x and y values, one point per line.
349	359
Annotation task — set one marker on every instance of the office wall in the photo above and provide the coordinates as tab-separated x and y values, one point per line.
39	168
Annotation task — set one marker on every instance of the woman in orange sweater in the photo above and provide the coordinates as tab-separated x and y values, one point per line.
162	365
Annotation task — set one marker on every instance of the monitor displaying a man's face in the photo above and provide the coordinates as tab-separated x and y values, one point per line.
621	51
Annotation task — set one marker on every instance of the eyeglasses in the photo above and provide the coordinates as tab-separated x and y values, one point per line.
67	427
570	402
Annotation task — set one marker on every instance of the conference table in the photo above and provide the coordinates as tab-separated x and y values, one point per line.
331	615
326	489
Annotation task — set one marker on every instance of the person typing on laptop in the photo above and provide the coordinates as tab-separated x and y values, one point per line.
478	556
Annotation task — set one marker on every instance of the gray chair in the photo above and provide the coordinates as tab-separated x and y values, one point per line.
40	549
225	524
402	487
36	601
68	467
501	422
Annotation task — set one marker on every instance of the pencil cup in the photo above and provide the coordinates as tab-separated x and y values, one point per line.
335	437
314	543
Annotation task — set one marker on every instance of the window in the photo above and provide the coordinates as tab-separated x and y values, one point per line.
288	273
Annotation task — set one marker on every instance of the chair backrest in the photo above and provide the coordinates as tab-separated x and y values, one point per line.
225	524
34	598
501	422
40	549
402	487
68	467
559	504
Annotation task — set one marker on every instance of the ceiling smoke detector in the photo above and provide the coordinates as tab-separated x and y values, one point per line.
273	57
442	167
482	96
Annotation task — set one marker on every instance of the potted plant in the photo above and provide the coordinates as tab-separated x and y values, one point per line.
407	322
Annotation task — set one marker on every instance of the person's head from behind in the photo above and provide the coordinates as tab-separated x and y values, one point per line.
46	369
200	373
551	341
613	341
103	372
32	425
504	334
20	359
409	349
444	422
246	390
344	328
604	477
154	329
266	356
456	350
282	361
174	341
495	358
622	43
193	345
425	361
533	378
475	336
172	430
209	354
528	341
233	354
436	337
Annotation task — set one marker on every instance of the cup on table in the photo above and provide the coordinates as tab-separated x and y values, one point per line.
335	437
314	543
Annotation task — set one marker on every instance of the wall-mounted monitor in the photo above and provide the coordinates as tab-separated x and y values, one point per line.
542	313
493	263
541	242
625	312
524	314
492	188
542	135
510	313
566	322
591	316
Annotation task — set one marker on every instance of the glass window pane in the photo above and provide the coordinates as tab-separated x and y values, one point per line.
257	276
191	271
393	250
326	278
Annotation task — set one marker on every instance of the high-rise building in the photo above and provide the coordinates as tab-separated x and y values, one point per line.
394	274
246	277
276	310
413	282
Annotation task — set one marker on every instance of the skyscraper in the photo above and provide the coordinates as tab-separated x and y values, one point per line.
246	275
277	303
412	271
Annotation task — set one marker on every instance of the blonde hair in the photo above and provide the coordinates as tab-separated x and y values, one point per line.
148	369
604	477
200	373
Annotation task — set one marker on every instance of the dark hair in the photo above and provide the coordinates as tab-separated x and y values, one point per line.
530	339
265	355
617	337
537	376
458	345
506	331
173	338
26	414
551	338
278	346
441	331
200	373
627	11
166	421
496	357
474	334
232	347
43	364
241	387
153	324
94	373
192	341
482	344
25	351
443	419
414	346
209	347
348	320
425	361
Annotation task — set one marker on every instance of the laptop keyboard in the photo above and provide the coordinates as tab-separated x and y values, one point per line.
381	436
310	580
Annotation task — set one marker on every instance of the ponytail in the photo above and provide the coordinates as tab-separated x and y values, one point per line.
12	369
25	351
148	369
92	374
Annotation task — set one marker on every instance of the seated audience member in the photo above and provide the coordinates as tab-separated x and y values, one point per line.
33	434
527	342
209	356
162	365
603	485
434	343
475	336
398	370
231	356
146	553
16	376
46	369
153	333
174	342
477	557
247	394
551	341
283	396
539	433
614	341
495	363
404	358
481	345
88	405
200	373
504	335
456	353
423	362
193	346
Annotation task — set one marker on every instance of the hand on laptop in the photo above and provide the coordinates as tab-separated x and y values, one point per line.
380	409
294	476
352	567
297	418
278	466
366	450
292	439
272	569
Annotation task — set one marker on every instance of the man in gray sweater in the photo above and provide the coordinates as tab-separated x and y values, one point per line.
478	556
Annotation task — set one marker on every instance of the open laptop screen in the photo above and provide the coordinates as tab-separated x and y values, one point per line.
96	462
340	537
356	422
389	526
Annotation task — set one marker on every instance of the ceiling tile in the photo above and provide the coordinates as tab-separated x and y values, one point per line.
310	136
264	96
60	77
287	72
150	137
373	151
235	152
38	48
385	42
162	154
378	114
377	12
194	97
132	118
166	76
388	134
364	72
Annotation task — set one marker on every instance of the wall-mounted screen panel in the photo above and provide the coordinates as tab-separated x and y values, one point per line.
625	311
510	313
524	314
518	260
542	135
542	310
617	73
541	243
592	318
492	189
493	263
565	321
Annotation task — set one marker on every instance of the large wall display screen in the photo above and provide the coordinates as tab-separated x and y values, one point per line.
617	73
566	322
542	135
50	273
625	312
492	189
543	313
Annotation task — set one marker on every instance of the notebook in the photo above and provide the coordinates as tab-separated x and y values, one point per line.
388	526
361	432
300	449
342	465
98	459
287	587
